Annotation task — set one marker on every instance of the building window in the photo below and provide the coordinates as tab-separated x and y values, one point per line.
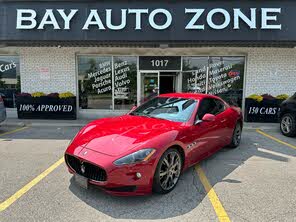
95	82
218	75
9	79
194	74
226	78
125	82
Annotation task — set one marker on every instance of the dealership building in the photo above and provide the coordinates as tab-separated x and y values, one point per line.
114	54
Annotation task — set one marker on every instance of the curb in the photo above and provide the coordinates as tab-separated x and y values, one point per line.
49	124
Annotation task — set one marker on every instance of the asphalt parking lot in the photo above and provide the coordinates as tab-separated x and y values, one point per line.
255	182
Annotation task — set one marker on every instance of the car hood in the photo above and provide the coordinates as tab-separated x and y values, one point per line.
117	135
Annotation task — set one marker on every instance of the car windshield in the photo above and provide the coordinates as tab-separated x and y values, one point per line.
168	108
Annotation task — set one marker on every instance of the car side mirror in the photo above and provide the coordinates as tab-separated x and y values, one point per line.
198	122
208	118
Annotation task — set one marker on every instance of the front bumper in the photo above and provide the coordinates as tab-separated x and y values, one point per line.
120	180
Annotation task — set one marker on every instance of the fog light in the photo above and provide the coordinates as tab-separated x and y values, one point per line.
138	175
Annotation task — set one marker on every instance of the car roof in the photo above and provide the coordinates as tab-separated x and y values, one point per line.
196	96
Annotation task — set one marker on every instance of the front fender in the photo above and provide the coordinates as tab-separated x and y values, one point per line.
165	141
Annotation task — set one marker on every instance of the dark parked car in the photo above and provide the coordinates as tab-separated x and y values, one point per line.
2	110
8	96
288	116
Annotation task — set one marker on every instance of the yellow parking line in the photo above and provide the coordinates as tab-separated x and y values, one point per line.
31	184
275	139
14	131
217	205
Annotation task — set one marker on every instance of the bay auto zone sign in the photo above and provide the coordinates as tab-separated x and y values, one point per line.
26	18
148	21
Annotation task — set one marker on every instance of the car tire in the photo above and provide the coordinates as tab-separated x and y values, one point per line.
236	136
168	171
288	125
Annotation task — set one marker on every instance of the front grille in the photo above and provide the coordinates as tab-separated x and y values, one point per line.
91	171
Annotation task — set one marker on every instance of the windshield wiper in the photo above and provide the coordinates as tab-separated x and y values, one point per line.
147	115
140	114
155	117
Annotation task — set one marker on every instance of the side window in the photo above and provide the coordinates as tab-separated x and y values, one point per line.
212	106
205	106
220	107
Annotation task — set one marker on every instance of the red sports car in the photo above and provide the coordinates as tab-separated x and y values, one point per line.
147	149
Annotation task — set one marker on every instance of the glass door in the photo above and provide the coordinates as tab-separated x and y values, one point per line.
167	82
149	85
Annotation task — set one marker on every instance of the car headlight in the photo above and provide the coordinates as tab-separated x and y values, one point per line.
139	156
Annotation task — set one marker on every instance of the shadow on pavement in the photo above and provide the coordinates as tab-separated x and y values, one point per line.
185	197
189	192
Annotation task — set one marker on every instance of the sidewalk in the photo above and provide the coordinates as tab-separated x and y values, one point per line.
83	122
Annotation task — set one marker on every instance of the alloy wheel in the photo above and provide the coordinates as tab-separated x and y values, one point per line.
237	135
170	170
286	124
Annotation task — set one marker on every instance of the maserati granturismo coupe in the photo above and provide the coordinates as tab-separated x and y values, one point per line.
147	149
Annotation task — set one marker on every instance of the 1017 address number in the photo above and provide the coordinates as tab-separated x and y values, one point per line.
159	63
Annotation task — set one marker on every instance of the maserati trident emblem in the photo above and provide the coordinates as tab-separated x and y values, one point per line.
82	168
